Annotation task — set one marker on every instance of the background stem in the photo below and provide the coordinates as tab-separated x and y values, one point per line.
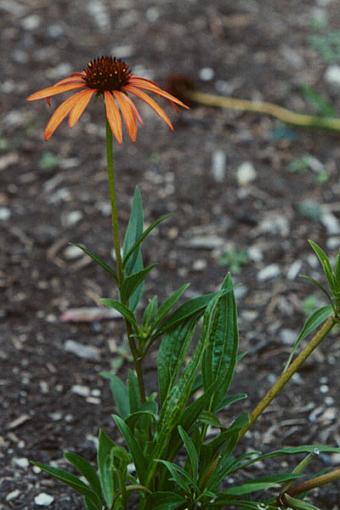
116	242
274	110
285	376
318	481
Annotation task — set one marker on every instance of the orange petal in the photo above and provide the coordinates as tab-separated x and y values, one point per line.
84	97
59	115
128	114
113	116
134	108
144	97
54	90
147	85
74	77
133	76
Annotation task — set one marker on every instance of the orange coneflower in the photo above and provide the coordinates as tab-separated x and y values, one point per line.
111	78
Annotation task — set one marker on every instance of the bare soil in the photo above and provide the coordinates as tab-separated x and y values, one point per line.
52	194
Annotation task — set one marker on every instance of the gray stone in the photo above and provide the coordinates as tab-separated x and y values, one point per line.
82	351
268	272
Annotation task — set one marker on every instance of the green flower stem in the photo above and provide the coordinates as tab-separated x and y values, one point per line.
114	207
287	374
116	242
318	481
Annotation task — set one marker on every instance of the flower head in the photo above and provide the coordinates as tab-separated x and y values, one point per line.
112	79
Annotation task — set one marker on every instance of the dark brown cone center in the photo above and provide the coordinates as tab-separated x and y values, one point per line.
106	73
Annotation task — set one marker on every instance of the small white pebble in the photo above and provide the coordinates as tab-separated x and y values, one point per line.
332	75
206	73
5	213
31	22
73	252
152	14
12	495
93	400
288	336
246	173
255	254
199	265
22	462
268	272
329	401
43	499
82	391
218	165
73	218
324	388
294	270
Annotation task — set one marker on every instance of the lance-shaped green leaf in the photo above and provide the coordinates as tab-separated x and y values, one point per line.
180	476
191	451
289	450
173	349
337	271
151	311
133	281
212	479
222	500
133	392
231	399
135	449
133	232
133	419
122	309
194	306
187	420
317	284
143	236
86	469
169	303
98	260
179	394
220	356
312	323
119	393
260	484
298	504
325	263
71	480
218	453
104	461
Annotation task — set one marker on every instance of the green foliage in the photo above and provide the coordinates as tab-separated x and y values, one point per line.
98	260
328	46
178	452
332	275
318	103
234	260
49	161
134	264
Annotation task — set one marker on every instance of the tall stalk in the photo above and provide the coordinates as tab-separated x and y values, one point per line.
137	358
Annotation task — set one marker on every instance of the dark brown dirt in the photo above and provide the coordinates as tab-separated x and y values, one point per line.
52	194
